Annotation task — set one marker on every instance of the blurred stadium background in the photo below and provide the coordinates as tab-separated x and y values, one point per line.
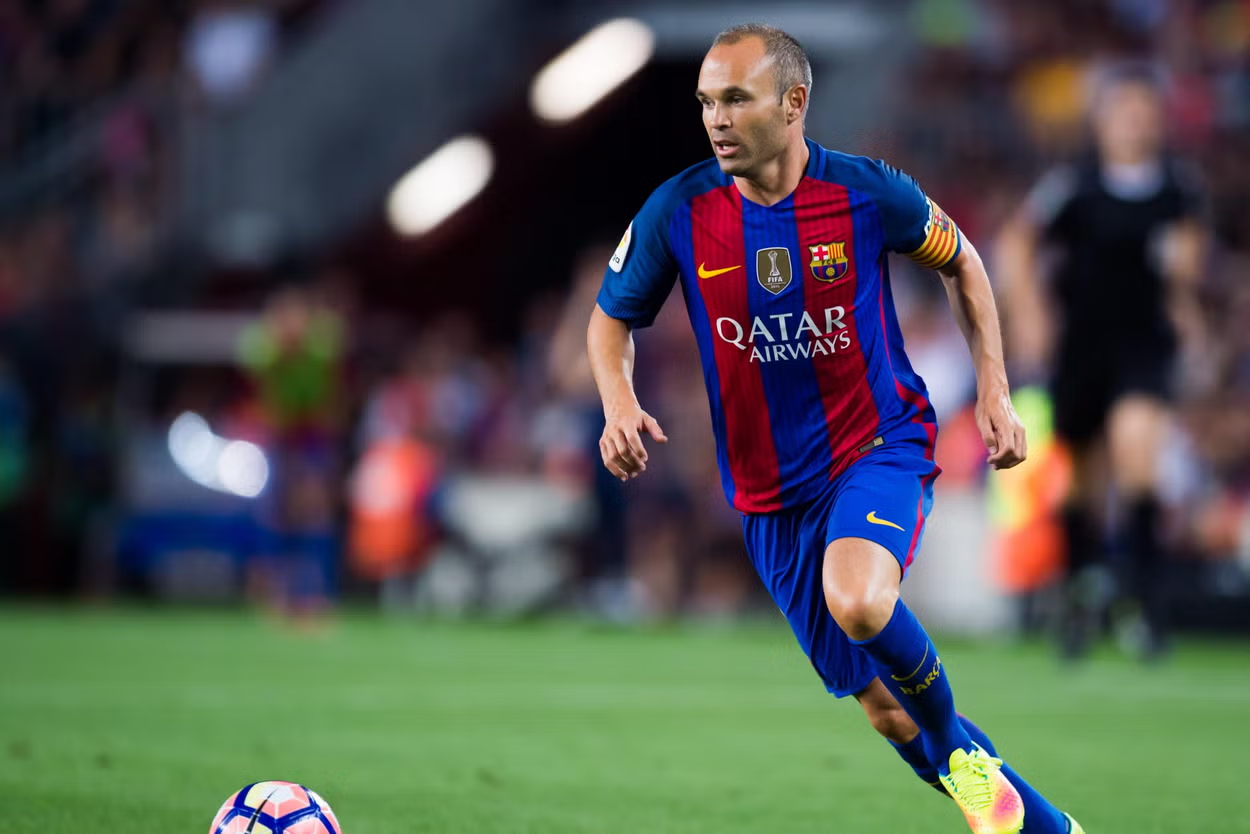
292	306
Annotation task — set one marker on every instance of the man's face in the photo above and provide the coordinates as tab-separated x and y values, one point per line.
742	113
1129	120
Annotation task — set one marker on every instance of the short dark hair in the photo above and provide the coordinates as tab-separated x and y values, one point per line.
1127	74
789	57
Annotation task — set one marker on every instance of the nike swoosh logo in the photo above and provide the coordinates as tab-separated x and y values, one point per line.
704	272
919	665
872	519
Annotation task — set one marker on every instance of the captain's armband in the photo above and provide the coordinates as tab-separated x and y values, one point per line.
941	240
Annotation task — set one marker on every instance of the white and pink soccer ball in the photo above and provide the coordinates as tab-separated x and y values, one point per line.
275	808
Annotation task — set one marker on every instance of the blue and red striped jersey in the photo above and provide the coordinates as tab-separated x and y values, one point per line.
792	312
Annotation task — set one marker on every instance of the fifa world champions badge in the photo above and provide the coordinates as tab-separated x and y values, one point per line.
773	268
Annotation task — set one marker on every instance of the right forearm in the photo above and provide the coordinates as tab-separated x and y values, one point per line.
611	348
610	344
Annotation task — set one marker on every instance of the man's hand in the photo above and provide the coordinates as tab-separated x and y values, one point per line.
1001	429
621	444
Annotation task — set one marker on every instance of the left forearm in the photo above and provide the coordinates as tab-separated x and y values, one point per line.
972	301
1184	256
1187	317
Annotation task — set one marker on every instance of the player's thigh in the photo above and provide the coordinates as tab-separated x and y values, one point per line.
1136	429
1091	475
786	550
884	498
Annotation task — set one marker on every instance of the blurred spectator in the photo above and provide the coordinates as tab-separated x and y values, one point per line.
1125	223
993	96
91	101
667	544
575	421
293	355
394	529
121	239
391	491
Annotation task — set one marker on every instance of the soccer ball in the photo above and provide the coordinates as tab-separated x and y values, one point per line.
275	808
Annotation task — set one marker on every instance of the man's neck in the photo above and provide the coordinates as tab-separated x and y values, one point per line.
1129	157
779	177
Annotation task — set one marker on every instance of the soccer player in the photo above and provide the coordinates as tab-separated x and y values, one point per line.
824	434
1125	224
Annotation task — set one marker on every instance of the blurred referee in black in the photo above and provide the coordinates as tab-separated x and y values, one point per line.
1101	266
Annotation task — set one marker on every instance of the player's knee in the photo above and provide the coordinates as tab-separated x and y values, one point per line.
1135	468
1136	430
1134	481
861	612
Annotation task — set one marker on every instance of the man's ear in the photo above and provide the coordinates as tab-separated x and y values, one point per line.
796	103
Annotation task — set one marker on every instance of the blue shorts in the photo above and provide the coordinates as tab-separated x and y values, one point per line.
884	497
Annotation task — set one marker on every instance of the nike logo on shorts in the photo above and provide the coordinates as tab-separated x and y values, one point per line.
872	519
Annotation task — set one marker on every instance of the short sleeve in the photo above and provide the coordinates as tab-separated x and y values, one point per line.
915	226
641	272
1046	205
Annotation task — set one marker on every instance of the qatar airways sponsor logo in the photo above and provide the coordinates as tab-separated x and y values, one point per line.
784	337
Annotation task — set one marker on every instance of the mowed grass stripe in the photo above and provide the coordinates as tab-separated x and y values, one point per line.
145	721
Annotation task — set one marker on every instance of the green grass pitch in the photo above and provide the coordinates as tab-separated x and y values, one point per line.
144	721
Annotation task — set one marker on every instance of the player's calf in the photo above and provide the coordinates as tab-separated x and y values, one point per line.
887	716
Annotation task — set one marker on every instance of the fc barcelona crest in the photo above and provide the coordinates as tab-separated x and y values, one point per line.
772	268
829	261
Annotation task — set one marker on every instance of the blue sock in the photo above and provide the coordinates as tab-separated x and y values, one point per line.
1040	817
913	753
908	664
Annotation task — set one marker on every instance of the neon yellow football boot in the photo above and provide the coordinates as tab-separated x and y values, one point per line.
989	802
1074	827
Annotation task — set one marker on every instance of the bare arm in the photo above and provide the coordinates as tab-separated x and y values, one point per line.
1030	320
1184	256
610	344
972	301
568	366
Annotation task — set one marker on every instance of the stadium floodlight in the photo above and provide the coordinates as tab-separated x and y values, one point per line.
604	59
194	447
242	469
232	466
440	185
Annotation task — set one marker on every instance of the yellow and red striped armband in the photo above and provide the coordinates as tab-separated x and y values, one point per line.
941	240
